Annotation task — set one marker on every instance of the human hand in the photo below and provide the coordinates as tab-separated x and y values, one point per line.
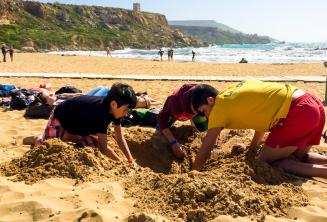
240	146
177	151
132	163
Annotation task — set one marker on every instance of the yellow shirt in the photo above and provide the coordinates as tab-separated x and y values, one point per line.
251	104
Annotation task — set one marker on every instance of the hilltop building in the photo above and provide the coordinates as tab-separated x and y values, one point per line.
136	7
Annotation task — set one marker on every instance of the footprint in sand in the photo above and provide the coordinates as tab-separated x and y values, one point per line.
25	210
11	132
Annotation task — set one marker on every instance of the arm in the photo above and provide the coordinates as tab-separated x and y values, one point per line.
105	149
122	143
206	147
257	138
165	114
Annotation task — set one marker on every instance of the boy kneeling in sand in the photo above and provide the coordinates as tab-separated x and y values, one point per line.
85	119
294	118
178	107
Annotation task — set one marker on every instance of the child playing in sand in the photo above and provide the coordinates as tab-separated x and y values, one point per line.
294	118
85	119
178	107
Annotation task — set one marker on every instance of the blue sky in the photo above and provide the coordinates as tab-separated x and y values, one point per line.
288	20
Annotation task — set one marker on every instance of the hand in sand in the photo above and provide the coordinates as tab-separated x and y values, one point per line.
238	148
132	163
177	151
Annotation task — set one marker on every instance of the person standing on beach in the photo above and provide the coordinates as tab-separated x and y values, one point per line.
171	54
11	53
193	56
294	119
4	52
161	52
108	51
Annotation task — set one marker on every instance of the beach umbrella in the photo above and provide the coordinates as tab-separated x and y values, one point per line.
325	102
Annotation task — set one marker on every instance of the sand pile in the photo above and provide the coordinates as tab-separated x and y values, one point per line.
234	184
58	159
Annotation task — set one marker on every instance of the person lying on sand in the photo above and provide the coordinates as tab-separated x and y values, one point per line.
143	100
178	107
85	119
295	121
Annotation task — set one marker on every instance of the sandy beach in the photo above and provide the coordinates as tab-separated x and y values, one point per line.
36	188
45	63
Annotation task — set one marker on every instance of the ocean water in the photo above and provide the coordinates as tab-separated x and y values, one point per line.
228	53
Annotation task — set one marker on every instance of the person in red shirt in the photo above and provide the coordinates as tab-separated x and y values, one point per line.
178	107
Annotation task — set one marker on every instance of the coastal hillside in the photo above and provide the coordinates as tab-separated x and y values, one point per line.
37	26
212	32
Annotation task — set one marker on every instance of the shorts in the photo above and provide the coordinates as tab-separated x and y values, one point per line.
52	130
302	126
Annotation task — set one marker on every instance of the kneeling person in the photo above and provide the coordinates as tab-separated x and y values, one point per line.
293	118
85	120
178	107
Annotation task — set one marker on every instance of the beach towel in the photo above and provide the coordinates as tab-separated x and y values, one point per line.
5	90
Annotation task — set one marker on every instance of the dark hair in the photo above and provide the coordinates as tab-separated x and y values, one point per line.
200	93
123	94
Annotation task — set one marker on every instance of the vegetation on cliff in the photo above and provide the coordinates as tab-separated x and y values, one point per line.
212	32
71	27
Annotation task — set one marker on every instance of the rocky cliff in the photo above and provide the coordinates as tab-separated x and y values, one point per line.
57	26
212	32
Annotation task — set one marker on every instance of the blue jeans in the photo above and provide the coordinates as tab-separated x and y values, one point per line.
98	91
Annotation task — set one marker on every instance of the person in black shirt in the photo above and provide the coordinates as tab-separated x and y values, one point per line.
85	119
193	56
4	53
161	54
11	53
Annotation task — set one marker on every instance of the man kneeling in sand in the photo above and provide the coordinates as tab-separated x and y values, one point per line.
85	119
294	118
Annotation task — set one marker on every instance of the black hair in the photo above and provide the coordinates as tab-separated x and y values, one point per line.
123	94
200	93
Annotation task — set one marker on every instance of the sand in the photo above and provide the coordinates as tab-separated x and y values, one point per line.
64	183
43	63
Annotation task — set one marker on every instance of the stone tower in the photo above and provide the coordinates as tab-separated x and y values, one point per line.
136	7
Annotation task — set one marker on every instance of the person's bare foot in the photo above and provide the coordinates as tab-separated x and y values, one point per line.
30	140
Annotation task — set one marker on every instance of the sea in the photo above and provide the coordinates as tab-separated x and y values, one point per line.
272	53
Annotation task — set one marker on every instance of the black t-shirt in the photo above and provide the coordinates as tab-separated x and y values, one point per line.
85	115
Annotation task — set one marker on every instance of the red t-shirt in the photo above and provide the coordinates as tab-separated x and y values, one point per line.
177	106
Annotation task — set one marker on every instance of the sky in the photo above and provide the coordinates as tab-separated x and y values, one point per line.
285	20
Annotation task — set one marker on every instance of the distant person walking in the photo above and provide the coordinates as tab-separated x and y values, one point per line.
193	56
161	52
108	51
11	53
4	52
169	55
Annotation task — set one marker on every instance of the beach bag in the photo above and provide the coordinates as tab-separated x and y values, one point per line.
5	90
18	101
133	118
68	89
150	117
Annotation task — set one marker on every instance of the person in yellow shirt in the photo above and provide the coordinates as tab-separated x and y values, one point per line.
294	119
